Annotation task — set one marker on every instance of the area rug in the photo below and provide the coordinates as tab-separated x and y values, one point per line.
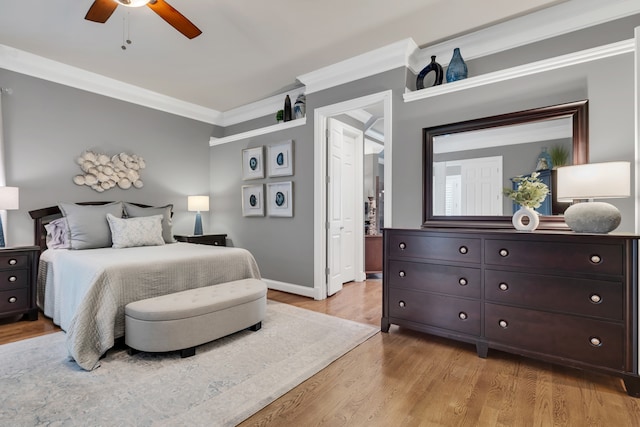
227	380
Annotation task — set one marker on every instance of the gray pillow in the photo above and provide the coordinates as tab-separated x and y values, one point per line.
133	211
88	226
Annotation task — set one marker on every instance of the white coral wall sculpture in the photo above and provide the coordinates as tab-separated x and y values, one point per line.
102	172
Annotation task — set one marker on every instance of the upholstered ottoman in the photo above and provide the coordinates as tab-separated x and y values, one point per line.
184	320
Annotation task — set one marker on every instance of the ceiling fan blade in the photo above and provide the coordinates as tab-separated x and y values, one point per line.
101	10
175	18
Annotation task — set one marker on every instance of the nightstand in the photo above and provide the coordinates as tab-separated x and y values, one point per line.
205	239
18	274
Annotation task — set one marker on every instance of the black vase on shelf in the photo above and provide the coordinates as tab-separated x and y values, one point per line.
457	68
287	109
432	66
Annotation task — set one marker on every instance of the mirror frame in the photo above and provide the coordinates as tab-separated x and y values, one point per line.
577	111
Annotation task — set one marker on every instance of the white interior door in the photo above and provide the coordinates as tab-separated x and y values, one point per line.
345	230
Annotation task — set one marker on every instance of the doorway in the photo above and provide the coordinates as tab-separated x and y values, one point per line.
322	180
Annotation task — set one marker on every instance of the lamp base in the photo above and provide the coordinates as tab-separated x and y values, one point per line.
197	231
2	244
592	217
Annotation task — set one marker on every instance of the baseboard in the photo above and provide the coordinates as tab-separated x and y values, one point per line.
290	288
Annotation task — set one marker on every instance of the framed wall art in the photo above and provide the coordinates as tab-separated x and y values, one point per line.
252	163
280	159
280	199
252	200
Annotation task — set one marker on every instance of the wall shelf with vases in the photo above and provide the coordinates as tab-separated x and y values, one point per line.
588	55
213	141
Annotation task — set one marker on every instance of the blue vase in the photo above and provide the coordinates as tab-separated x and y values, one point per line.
457	69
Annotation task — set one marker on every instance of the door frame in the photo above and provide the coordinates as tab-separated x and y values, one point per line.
320	178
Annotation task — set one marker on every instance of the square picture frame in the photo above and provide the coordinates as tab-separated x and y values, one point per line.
280	199
280	159
252	200
252	163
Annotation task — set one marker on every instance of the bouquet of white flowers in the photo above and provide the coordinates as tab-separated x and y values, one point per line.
530	191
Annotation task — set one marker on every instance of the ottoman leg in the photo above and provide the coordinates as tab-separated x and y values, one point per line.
255	327
187	352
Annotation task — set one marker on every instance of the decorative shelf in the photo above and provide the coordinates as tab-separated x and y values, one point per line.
213	141
570	59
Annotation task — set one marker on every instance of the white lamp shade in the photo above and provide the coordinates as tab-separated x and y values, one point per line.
9	198
594	181
198	203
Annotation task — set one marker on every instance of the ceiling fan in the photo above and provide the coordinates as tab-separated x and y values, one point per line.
101	10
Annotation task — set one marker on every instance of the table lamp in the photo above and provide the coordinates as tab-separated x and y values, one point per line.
581	184
198	204
9	200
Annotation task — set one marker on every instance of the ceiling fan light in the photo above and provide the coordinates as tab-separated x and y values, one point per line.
132	3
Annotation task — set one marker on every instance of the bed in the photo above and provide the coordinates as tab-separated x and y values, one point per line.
85	289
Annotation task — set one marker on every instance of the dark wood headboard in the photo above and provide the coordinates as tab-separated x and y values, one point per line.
42	217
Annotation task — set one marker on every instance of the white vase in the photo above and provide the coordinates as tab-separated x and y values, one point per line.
525	219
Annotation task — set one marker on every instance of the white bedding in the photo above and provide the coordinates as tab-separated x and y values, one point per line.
85	291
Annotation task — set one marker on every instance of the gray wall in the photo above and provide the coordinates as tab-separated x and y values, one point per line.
47	125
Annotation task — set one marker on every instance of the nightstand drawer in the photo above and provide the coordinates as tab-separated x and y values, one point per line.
577	338
13	261
456	314
14	300
599	298
13	279
446	279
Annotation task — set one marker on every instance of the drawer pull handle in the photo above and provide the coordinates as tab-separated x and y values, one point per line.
595	341
402	304
596	259
462	315
12	299
215	243
503	324
595	298
463	281
503	286
402	273
12	278
463	250
503	252
13	261
402	246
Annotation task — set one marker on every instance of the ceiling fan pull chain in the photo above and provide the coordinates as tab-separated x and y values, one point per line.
126	27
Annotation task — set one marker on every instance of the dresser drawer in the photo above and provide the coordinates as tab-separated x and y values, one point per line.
13	261
597	298
14	300
446	279
456	314
572	257
12	279
419	245
577	338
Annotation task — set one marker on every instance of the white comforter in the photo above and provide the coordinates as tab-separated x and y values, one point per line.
85	291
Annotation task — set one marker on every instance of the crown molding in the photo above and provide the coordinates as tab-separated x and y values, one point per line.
37	66
367	64
613	49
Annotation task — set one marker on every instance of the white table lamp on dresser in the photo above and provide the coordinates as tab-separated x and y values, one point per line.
9	200
583	183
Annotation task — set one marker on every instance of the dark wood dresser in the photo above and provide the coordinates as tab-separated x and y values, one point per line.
18	275
557	296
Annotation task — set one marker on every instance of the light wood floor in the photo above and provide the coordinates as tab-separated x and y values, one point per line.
406	378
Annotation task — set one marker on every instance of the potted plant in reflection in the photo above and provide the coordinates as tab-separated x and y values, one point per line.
529	193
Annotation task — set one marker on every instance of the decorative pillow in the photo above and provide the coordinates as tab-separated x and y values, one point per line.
88	227
133	211
57	234
132	232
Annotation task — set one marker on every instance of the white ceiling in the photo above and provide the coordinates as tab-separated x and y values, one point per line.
249	49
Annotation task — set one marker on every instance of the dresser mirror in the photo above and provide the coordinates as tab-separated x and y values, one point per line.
467	164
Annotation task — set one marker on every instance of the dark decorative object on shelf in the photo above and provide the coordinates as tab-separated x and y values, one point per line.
299	108
432	66
457	68
287	109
